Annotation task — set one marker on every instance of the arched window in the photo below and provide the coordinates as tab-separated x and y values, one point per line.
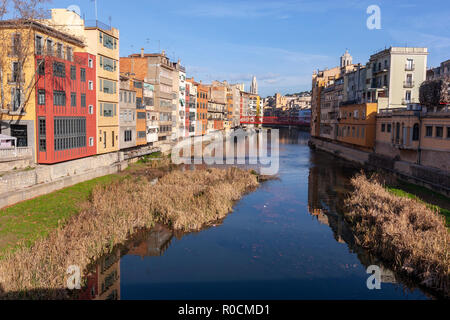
415	136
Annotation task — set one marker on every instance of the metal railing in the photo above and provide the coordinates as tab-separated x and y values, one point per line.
408	84
97	24
19	152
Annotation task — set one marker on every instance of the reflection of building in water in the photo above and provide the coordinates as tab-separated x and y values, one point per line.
103	283
155	242
326	191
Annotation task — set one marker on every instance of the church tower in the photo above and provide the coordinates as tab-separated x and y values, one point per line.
346	59
254	86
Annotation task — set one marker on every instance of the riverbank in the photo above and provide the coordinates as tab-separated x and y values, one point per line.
431	178
185	201
406	234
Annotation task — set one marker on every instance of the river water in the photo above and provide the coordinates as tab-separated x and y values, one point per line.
286	240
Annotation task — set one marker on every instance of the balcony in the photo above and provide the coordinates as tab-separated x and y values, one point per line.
7	154
408	84
410	67
408	101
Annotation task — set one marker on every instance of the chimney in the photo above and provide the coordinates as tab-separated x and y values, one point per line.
142	52
163	53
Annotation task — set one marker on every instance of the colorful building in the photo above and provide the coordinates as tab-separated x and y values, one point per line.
356	125
103	42
127	114
52	106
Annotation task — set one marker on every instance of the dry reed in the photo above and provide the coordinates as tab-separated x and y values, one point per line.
185	201
402	232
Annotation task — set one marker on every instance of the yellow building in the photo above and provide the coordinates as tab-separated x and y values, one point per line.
103	41
357	124
27	50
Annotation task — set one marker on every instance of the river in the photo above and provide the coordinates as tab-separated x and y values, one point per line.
286	240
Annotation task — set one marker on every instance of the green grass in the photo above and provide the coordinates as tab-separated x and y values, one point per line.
432	199
25	222
149	157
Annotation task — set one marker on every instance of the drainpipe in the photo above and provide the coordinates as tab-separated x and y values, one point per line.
419	151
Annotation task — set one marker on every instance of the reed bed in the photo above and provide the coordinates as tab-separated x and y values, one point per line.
185	201
403	232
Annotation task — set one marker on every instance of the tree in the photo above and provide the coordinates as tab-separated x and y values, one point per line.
17	39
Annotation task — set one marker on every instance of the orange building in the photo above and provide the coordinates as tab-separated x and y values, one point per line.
357	124
202	107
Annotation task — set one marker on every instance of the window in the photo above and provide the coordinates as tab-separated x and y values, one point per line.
108	64
41	67
73	99
428	131
59	69
38	45
69	53
141	115
91	63
107	86
70	133
448	132
108	109
439	132
73	73
383	127
41	97
16	98
141	134
42	135
415	135
49	47
138	84
59	98
83	100
363	132
16	44
91	141
91	85
91	109
59	50
112	138
108	41
389	127
83	74
127	136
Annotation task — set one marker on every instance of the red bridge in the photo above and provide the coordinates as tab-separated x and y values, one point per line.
287	121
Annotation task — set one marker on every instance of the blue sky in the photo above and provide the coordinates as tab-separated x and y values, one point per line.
281	42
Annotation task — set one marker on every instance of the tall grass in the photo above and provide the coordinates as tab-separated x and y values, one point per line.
185	201
403	232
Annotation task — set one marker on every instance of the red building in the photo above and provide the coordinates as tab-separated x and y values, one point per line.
65	107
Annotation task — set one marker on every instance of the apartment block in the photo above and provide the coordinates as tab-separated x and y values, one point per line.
127	114
156	69
50	92
101	40
356	125
394	76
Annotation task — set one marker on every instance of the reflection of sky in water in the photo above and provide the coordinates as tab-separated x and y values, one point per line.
270	247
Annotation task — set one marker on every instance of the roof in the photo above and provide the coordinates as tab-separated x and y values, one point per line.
14	24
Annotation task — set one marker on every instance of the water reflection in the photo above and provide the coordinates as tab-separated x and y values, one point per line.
287	240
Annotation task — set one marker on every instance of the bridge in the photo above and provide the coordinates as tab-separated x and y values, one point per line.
281	121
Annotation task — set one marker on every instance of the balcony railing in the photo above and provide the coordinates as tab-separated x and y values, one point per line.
408	84
410	67
97	24
11	153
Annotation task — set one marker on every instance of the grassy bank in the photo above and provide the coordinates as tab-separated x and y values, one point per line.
405	233
183	200
24	223
431	199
